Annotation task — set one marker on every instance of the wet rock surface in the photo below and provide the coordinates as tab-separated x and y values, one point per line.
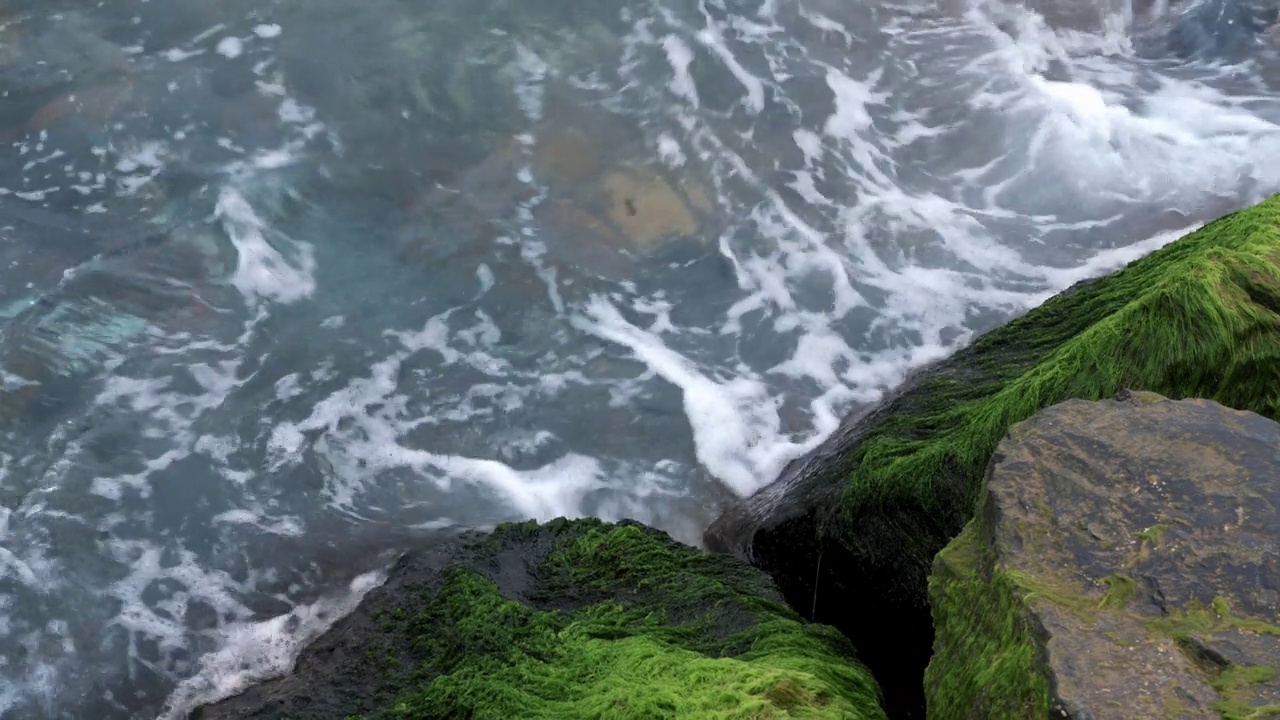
570	619
1124	564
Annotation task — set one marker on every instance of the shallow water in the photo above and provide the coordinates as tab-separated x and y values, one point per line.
287	286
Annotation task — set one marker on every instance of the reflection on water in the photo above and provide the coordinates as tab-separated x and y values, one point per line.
288	286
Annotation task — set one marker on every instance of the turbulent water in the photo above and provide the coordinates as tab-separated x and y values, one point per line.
289	285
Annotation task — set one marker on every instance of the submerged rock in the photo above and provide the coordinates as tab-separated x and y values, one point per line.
570	619
646	208
849	532
597	198
1124	564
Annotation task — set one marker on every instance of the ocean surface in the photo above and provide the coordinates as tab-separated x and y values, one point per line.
287	286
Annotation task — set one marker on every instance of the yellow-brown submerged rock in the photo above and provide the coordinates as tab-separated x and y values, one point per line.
646	208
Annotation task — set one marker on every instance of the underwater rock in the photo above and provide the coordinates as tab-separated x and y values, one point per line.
593	193
56	338
67	48
567	155
608	196
40	59
849	532
569	619
1123	565
646	208
599	163
96	103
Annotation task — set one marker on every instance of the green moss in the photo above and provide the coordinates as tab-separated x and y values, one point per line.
622	623
1060	594
1232	684
1120	590
1241	711
987	663
1232	681
1195	319
1195	618
1121	640
1235	677
1174	709
1154	535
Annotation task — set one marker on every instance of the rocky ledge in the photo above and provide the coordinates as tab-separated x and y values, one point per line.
873	505
570	619
1125	564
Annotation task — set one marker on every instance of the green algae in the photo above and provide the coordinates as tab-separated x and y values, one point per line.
986	661
601	663
1231	681
622	623
1198	318
1154	535
1120	591
1196	618
1240	711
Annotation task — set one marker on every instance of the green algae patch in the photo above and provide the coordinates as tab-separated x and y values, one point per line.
1154	535
1234	682
1120	591
1216	617
579	619
988	663
600	663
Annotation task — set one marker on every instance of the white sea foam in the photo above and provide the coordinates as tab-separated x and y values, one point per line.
712	38
735	423
230	47
852	98
362	427
262	270
267	31
254	651
680	56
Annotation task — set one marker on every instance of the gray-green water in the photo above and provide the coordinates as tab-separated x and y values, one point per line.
289	285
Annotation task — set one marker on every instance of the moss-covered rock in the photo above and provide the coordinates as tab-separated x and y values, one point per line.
578	619
1058	600
874	504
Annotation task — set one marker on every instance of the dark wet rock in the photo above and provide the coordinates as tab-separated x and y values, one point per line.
572	619
872	506
1122	566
